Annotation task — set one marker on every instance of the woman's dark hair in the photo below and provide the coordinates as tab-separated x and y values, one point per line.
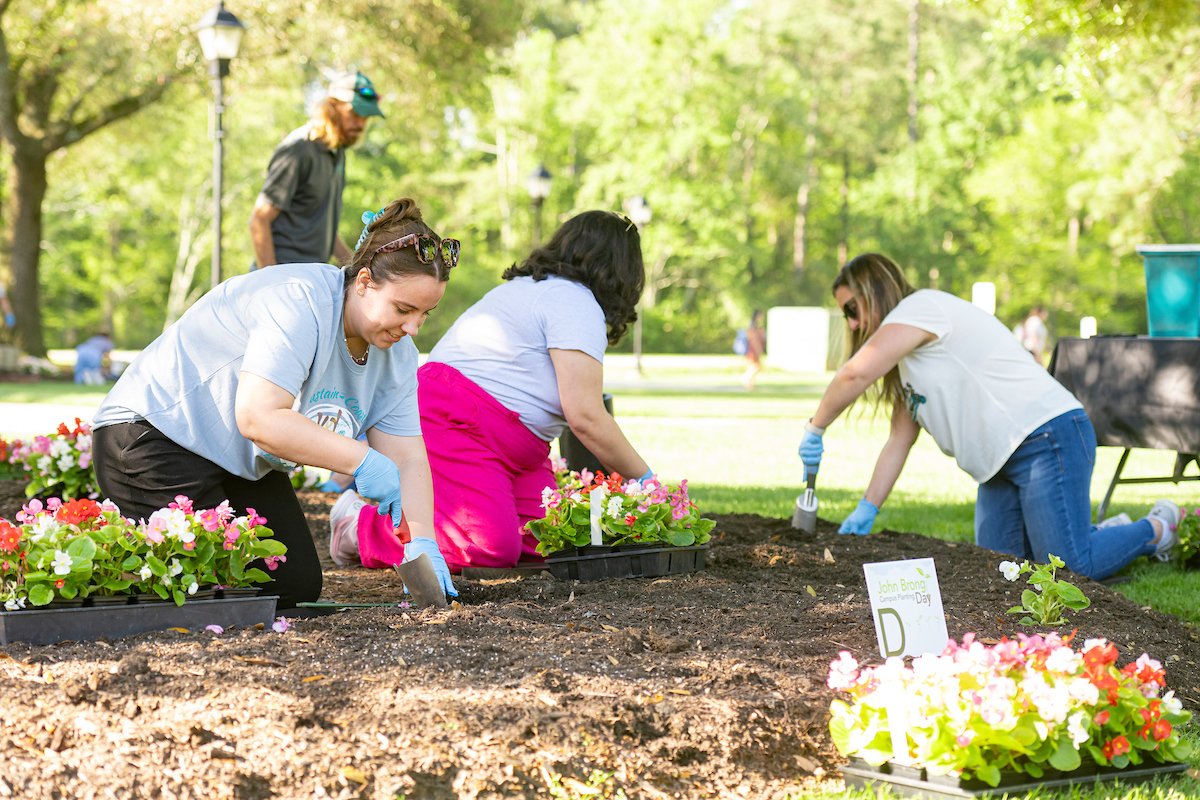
600	250
397	219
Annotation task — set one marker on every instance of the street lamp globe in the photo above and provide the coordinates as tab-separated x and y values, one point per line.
220	34
638	210
538	183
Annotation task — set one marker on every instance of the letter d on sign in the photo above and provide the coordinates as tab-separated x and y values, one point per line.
888	649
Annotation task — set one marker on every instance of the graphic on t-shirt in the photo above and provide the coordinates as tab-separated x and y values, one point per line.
913	400
333	417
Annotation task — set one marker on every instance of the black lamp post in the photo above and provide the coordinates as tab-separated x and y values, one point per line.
638	211
538	184
220	33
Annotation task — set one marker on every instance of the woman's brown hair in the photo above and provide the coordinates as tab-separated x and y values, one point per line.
397	219
879	285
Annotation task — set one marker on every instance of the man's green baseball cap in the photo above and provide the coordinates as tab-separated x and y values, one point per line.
357	90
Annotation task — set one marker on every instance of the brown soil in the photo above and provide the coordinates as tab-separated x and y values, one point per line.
699	686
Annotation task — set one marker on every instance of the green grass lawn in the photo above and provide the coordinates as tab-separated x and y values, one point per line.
690	418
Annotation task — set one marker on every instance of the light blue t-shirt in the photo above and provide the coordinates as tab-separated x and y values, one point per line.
283	324
503	343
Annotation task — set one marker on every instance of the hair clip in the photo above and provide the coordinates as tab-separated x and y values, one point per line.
367	218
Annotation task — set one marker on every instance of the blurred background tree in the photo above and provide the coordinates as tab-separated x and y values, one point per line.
1032	144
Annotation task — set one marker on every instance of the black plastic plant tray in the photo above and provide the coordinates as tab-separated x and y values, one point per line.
64	623
914	782
597	563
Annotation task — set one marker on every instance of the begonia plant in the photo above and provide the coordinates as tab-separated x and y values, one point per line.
59	464
632	512
1024	705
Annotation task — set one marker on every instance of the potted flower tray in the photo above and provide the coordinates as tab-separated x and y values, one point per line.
600	562
908	781
53	623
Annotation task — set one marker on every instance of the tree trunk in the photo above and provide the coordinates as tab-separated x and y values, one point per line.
803	203
843	248
27	190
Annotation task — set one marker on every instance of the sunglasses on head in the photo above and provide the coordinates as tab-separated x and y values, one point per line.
850	309
428	248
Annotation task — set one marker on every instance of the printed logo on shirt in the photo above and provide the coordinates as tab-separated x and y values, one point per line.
334	417
913	400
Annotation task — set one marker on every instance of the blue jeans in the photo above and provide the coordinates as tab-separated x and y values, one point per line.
1038	503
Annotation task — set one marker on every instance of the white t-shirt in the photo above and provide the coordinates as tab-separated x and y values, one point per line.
503	343
283	324
974	388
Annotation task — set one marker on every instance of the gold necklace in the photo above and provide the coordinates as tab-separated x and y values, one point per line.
360	360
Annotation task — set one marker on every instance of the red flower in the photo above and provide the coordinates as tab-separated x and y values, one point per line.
1115	747
10	537
1162	730
63	430
58	584
1101	655
75	512
1101	717
630	519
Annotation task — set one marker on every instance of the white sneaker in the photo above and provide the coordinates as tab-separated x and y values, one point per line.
1167	513
1119	519
343	528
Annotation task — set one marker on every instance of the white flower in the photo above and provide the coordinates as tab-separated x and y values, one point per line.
17	603
192	587
66	463
61	563
1010	570
614	507
145	572
176	567
60	448
45	525
1171	703
83	442
1077	728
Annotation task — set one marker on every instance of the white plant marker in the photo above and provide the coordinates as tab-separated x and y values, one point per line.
597	498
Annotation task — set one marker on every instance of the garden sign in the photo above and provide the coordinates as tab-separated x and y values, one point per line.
906	605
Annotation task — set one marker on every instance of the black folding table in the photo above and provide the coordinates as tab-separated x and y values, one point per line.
1138	391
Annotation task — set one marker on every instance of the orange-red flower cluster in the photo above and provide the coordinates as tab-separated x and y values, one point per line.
76	512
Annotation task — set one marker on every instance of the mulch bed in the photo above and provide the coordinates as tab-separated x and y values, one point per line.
708	685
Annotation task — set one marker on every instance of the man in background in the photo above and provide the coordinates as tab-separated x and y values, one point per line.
295	218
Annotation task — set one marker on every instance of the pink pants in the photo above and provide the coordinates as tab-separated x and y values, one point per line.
488	469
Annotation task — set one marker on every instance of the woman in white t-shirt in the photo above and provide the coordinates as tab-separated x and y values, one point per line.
944	365
511	374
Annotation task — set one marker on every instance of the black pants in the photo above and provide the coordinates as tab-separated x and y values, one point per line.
141	470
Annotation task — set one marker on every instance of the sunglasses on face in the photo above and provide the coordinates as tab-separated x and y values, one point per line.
850	310
428	248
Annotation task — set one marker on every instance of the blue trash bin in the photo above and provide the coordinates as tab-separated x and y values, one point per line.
1172	288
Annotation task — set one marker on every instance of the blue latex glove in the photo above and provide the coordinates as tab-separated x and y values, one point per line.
421	544
811	448
378	479
861	518
332	486
10	320
649	474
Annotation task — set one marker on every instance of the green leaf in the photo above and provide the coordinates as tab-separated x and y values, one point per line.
40	595
989	774
1065	757
82	547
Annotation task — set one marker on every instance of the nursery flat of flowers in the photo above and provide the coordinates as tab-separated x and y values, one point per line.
702	685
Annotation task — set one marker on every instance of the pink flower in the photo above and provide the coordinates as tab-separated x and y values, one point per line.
273	562
183	503
210	520
217	629
280	625
53	504
30	510
253	519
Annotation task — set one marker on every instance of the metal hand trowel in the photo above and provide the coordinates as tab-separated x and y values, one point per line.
804	516
422	582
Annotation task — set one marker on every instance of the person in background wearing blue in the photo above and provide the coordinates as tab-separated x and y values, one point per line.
288	366
10	319
943	365
89	359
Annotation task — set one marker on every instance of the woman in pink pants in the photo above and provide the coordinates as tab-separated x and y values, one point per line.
512	373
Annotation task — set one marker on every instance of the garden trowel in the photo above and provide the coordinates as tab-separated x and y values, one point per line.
804	517
422	582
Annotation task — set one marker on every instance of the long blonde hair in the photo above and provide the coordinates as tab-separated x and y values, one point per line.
879	285
325	127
